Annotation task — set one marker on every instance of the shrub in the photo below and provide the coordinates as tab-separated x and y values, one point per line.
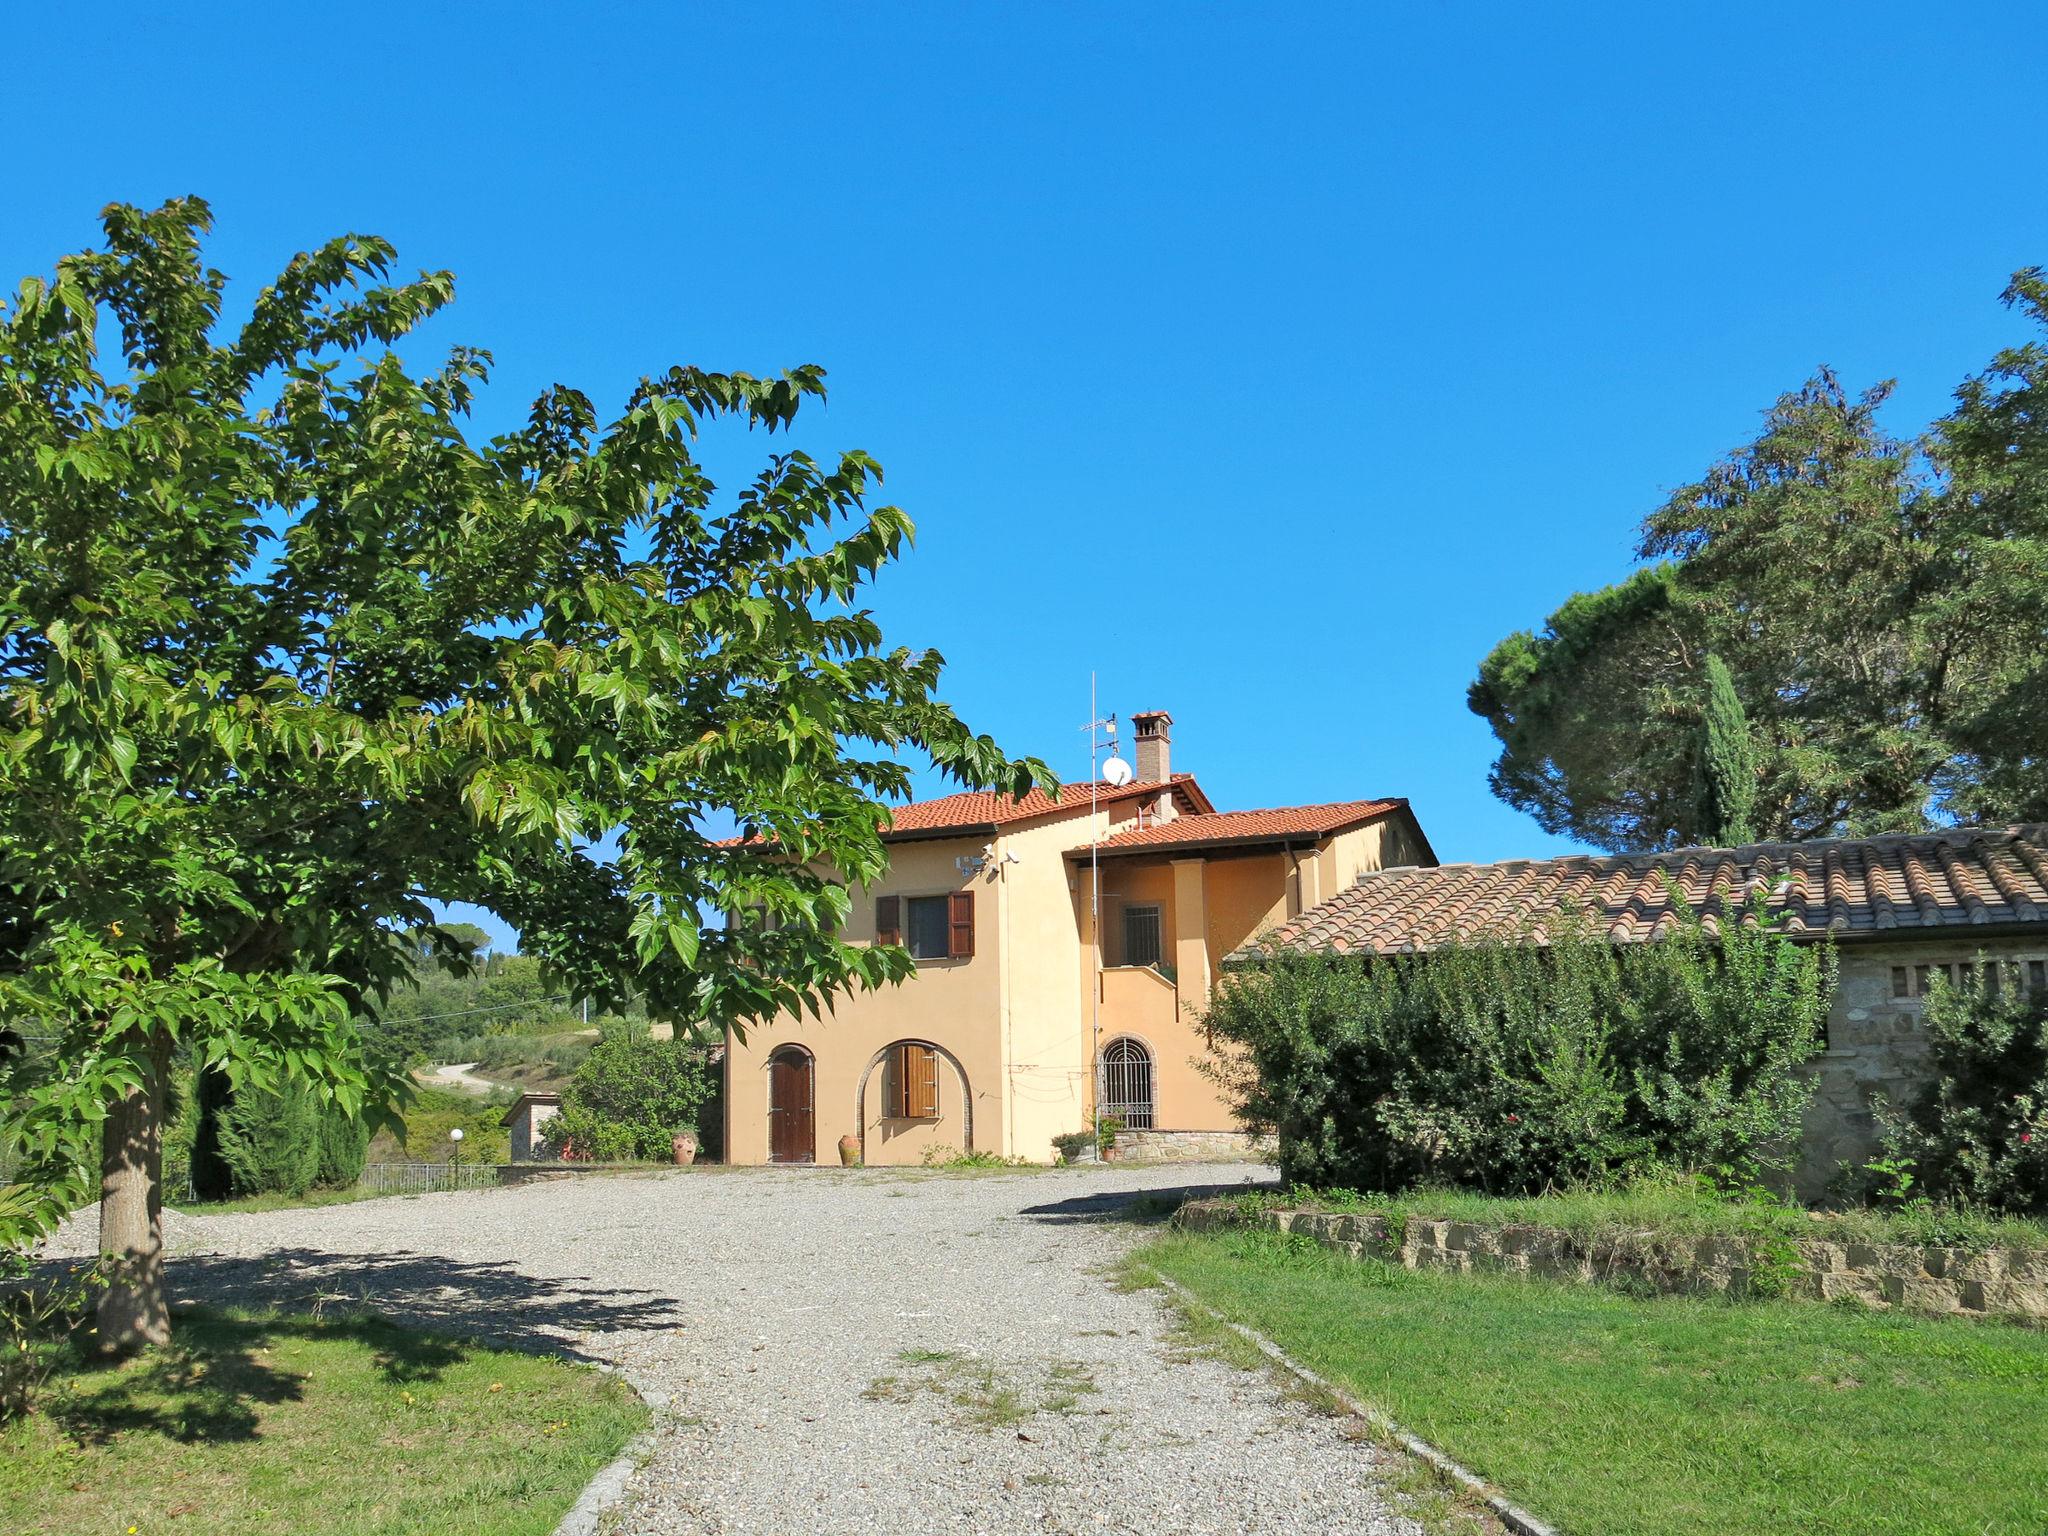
282	1141
39	1320
1977	1134
1068	1144
631	1096
1514	1068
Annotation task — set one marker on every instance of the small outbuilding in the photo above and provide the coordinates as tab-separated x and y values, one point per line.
1903	908
524	1120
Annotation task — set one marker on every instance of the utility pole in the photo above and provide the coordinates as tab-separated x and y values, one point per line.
1095	727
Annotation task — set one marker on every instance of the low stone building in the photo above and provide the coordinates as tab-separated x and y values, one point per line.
522	1122
1902	910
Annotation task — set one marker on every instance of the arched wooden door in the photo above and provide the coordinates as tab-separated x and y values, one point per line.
791	1138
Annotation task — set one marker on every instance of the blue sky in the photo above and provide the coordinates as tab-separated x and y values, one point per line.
1270	362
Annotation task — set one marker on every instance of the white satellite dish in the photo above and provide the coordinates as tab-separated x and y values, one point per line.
1116	772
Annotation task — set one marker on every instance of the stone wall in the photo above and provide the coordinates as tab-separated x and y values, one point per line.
1876	1044
1135	1146
1997	1282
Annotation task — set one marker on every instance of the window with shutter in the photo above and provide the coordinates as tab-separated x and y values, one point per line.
913	1086
888	920
927	923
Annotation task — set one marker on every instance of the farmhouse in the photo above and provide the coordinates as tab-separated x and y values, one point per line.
1029	993
1902	909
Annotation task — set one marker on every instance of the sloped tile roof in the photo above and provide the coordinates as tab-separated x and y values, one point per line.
1249	826
982	808
1903	886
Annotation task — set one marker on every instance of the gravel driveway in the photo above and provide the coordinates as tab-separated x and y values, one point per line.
844	1350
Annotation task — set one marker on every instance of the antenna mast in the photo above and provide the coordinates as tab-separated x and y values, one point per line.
1095	727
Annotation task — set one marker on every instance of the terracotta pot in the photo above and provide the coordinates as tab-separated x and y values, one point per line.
1111	1153
684	1146
849	1151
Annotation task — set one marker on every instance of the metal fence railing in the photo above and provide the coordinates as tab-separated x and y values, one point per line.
426	1178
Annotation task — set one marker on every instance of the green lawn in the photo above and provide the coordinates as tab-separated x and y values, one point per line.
1610	1415
348	1426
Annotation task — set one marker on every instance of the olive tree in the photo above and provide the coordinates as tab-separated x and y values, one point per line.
287	654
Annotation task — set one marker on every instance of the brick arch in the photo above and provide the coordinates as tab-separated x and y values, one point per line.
860	1101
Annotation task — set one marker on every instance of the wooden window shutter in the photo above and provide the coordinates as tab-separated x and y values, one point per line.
960	927
913	1082
898	1084
921	1082
888	920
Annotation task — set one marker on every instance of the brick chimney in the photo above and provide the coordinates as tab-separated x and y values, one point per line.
1154	745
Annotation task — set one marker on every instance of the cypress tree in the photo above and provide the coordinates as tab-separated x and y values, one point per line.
1727	764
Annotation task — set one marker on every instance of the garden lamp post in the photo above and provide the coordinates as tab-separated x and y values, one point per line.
455	1139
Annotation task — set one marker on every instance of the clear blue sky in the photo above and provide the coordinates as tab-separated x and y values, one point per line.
1271	363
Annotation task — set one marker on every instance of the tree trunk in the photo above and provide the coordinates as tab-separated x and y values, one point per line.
132	1310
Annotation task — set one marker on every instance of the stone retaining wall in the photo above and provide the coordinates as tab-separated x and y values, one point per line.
1996	1282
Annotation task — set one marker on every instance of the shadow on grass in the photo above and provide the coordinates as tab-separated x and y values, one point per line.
1132	1207
418	1315
208	1384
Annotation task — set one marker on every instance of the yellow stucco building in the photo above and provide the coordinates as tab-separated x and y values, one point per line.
993	1045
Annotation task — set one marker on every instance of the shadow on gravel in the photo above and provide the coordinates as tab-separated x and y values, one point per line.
492	1302
1130	1207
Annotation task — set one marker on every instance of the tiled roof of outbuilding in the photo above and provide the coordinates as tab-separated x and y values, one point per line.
1306	821
1904	885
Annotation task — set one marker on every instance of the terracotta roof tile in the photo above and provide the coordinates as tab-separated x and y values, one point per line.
983	808
1962	877
1248	826
979	810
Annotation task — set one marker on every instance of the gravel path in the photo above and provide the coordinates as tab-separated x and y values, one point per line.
844	1351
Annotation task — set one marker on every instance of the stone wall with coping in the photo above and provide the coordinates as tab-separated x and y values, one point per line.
1877	1044
1997	1282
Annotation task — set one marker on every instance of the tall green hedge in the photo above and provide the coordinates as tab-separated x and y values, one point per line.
1514	1068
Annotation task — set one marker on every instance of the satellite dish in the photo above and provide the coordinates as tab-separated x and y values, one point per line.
1116	772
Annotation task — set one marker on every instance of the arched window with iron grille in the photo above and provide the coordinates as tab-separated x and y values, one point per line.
1127	1083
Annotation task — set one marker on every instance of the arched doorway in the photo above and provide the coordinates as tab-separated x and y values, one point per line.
1127	1083
791	1137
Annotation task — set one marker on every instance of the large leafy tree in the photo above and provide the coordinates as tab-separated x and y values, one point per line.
285	654
1990	606
1878	605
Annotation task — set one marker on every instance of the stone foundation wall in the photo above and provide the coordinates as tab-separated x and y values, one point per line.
1876	1044
1133	1146
1997	1282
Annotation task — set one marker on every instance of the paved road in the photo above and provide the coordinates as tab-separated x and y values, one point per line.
845	1350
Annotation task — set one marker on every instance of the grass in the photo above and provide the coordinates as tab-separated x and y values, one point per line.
278	1202
1673	1209
1611	1415
255	1422
981	1393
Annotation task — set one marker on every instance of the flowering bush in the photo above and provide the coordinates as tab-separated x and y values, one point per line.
1512	1068
1977	1134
